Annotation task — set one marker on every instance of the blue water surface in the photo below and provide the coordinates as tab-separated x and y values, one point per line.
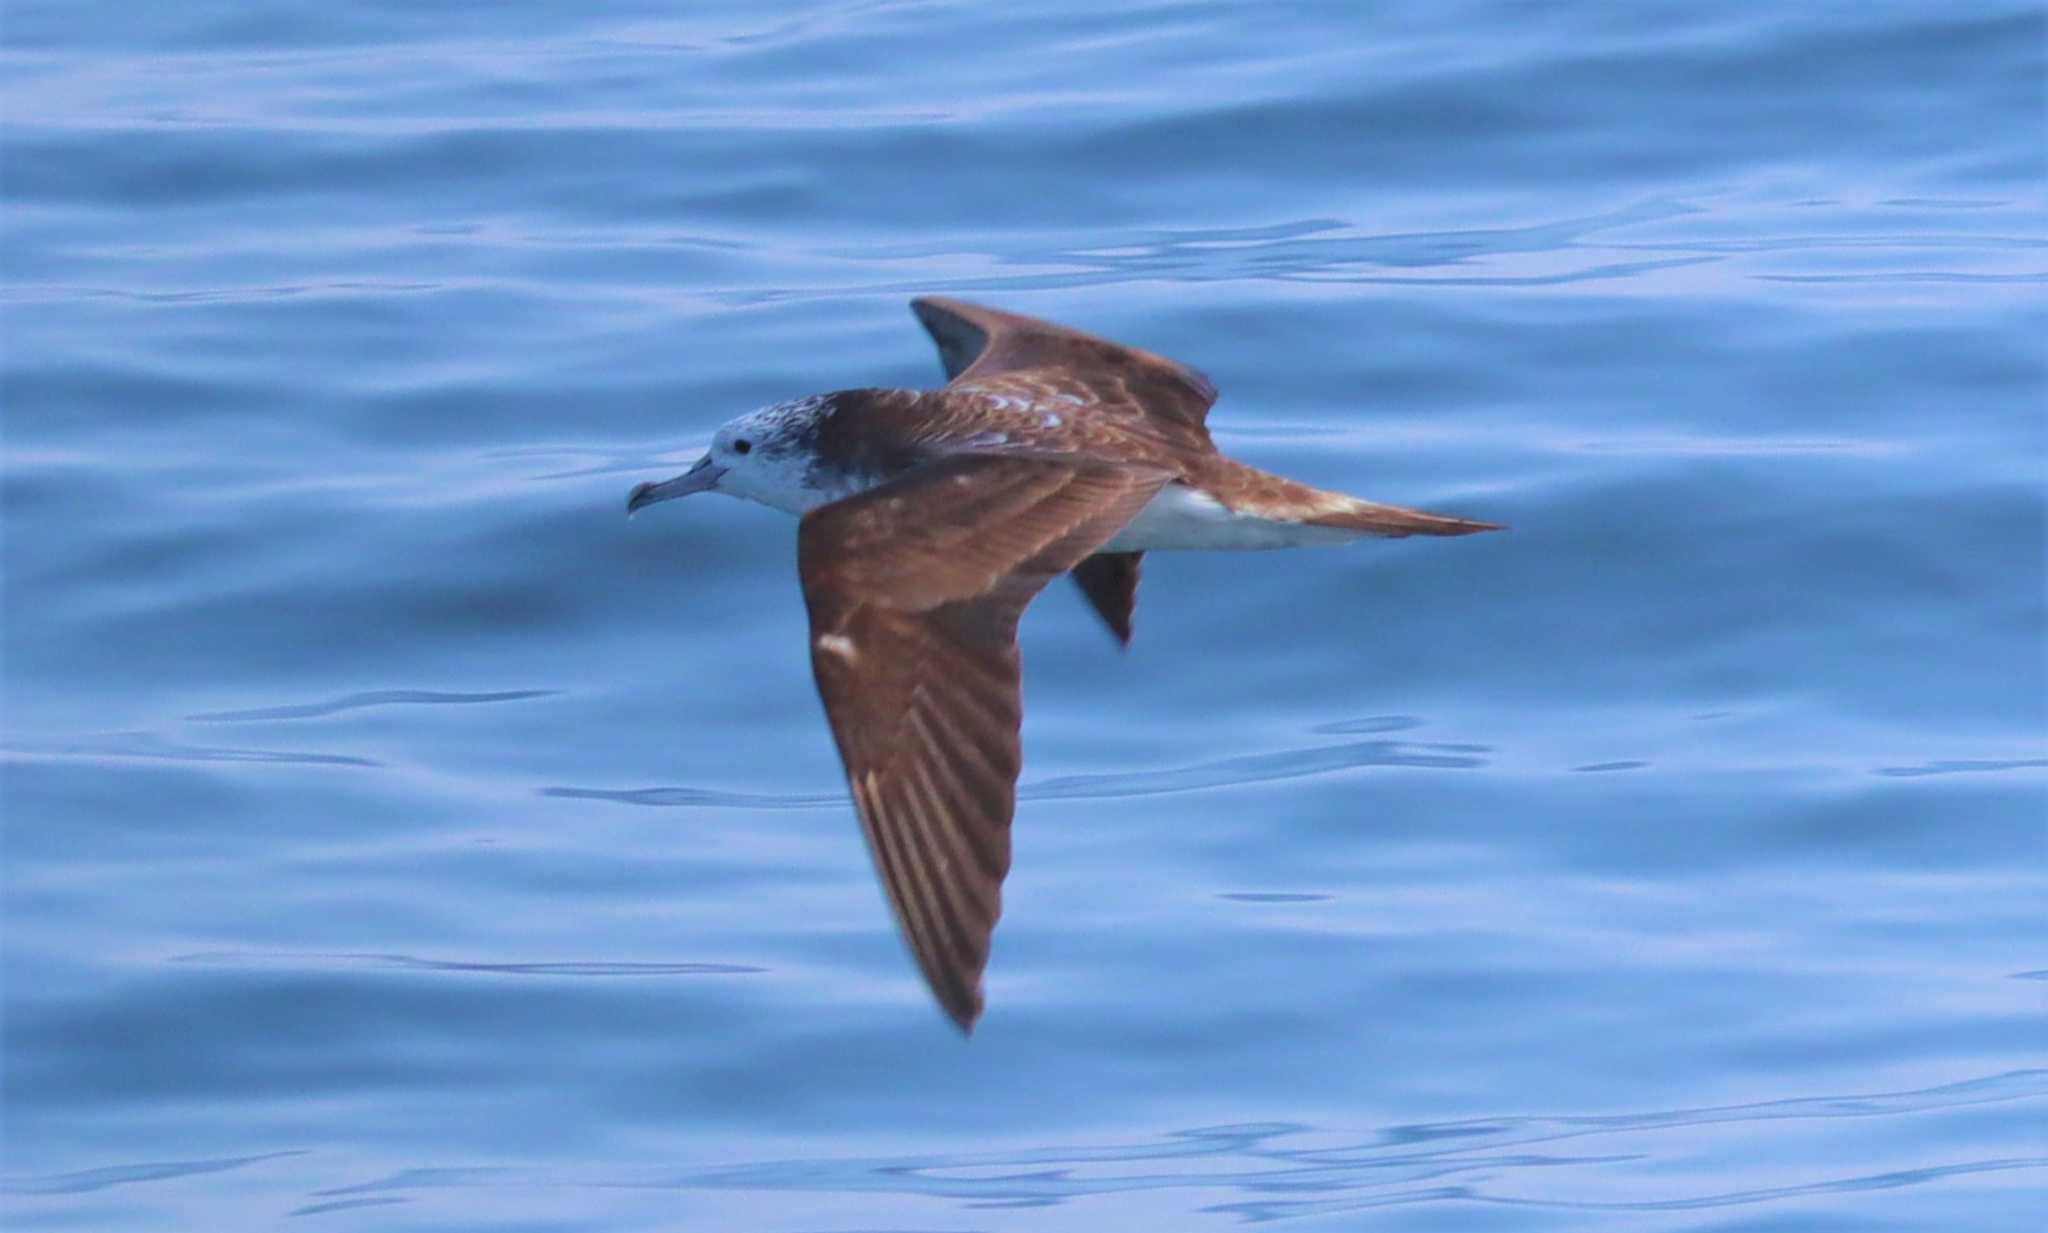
397	838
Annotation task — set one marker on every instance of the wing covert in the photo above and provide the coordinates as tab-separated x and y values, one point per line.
976	343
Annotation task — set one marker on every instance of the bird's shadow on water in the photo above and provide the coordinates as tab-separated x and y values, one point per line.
1223	772
1263	1171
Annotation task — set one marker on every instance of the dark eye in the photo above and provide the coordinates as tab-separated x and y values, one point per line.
743	446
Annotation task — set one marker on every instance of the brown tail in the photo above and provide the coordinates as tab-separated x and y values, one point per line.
1262	494
1394	521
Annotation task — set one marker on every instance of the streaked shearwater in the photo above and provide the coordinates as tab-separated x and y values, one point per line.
929	520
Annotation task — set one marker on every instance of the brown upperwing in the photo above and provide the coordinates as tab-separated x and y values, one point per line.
914	589
1151	402
976	343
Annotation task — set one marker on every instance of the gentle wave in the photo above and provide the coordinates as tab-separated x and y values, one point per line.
1474	1160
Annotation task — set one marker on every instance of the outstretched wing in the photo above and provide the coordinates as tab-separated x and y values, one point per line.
914	589
977	343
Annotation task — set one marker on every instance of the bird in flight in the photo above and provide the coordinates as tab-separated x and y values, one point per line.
929	520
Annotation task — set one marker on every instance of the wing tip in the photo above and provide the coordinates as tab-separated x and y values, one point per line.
935	311
965	1018
961	1003
954	329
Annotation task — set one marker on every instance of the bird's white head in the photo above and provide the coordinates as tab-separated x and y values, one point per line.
769	456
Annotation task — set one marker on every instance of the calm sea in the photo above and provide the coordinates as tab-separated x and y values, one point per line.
396	838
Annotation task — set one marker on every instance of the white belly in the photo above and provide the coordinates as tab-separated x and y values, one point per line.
1182	517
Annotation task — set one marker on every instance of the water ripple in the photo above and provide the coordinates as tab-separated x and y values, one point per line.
253	958
85	1181
343	1205
152	747
1260	768
1222	773
1545	253
1261	1158
1266	1210
1959	766
378	697
1368	725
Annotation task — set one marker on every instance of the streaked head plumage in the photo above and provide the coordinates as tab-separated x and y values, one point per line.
768	455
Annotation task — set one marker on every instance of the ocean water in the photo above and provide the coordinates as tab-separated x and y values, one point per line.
397	838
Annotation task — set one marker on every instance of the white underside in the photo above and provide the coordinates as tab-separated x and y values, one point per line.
1184	517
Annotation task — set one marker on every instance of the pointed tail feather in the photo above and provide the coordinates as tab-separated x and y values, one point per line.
1394	521
1262	494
